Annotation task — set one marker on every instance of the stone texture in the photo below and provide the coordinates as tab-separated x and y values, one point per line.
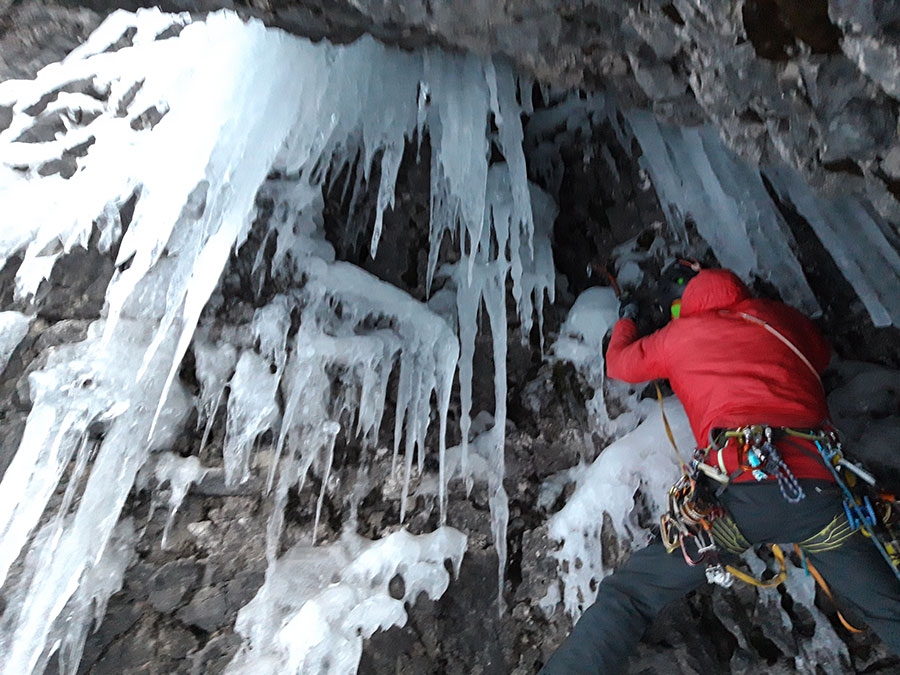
782	89
171	583
751	68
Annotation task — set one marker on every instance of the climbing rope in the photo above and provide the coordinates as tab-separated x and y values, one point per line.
820	580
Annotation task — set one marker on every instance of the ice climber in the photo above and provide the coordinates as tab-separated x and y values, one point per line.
747	372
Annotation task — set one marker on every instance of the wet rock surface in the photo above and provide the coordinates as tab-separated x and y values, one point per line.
176	611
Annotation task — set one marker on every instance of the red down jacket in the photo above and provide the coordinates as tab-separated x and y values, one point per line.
728	371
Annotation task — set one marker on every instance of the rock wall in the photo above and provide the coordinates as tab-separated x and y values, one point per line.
739	67
808	83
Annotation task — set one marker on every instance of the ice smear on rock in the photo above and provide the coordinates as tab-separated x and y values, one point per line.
318	604
580	343
179	473
13	328
641	461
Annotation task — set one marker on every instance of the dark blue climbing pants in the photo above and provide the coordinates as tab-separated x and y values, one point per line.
608	632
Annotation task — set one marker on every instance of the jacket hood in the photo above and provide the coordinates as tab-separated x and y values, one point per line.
712	289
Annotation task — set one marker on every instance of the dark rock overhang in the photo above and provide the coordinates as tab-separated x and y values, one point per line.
812	84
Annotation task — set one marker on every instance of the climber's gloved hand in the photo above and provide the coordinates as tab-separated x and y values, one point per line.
628	308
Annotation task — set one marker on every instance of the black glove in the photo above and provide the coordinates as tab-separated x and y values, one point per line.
628	308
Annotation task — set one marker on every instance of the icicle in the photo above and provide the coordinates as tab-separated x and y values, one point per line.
424	100
460	150
33	474
390	165
694	173
468	299
214	365
305	449
510	135
447	359
88	606
539	273
233	212
94	396
495	303
327	461
270	327
374	389
180	473
297	385
252	409
405	393
499	507
865	257
360	102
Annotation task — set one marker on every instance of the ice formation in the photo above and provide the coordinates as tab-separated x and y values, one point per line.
640	462
163	123
180	473
319	603
859	241
580	342
695	175
13	327
194	124
83	403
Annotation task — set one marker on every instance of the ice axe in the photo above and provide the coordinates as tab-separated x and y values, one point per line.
601	270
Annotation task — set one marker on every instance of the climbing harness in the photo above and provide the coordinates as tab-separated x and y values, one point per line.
696	523
867	507
758	455
692	517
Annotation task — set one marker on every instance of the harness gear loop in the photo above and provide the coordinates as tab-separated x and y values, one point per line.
757	454
690	518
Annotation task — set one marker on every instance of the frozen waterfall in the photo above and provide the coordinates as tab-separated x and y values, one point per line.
179	145
166	122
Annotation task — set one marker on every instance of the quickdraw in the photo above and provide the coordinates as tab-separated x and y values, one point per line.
868	508
687	525
758	455
688	521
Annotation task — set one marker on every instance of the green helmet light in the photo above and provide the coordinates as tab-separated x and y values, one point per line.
676	308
